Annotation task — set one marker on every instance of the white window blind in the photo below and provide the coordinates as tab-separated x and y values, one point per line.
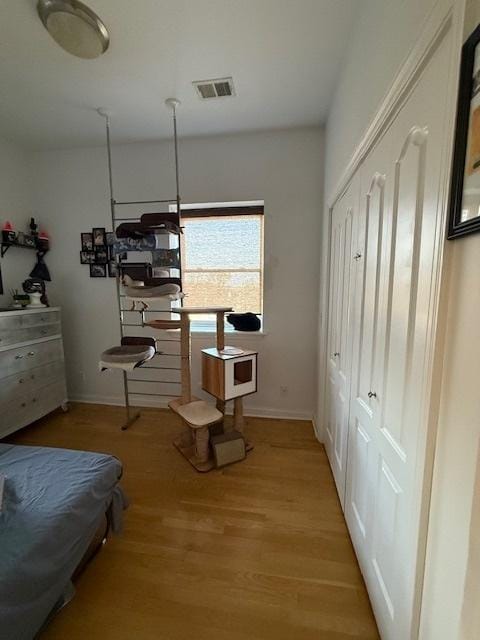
222	260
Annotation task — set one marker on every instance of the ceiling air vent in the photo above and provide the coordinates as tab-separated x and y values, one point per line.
218	88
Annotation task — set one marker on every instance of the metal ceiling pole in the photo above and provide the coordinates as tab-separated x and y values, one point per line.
173	103
130	417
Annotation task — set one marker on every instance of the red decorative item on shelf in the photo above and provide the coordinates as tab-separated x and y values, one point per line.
43	240
8	233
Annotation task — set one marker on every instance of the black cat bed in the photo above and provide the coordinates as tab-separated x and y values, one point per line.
244	321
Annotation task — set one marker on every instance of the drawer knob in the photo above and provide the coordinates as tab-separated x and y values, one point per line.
372	394
24	404
31	353
34	400
21	381
18	357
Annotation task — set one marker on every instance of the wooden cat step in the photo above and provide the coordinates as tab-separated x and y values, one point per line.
196	310
166	325
196	413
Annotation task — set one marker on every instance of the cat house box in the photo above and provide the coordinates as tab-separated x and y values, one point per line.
227	376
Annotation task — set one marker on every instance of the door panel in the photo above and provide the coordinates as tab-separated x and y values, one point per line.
360	490
343	237
401	305
397	230
368	352
374	220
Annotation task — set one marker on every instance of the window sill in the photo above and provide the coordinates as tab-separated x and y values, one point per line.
230	334
205	330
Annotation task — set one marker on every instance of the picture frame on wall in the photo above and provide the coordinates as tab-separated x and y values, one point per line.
98	270
87	257
101	255
99	237
464	214
112	269
87	241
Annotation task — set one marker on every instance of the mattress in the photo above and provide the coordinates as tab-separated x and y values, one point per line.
54	501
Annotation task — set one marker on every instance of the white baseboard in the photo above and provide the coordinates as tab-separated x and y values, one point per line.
317	431
280	414
254	412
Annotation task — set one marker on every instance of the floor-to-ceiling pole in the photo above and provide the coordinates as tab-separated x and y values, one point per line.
130	417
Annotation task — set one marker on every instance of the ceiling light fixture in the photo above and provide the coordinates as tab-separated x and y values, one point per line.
75	27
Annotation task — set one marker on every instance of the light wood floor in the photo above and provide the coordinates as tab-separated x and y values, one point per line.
259	550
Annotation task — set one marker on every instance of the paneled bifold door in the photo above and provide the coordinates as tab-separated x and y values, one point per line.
343	233
384	234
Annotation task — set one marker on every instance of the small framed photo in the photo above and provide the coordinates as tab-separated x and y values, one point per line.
110	238
87	257
98	270
99	239
101	255
87	241
112	269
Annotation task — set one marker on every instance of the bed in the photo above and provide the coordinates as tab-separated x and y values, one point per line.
57	504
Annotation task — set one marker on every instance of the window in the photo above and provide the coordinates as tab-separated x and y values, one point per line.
222	257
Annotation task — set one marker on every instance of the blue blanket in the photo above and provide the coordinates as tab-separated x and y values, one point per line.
53	503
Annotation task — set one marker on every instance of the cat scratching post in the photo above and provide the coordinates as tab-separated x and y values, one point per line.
220	346
197	415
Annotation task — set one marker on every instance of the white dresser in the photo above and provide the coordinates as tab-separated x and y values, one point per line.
32	370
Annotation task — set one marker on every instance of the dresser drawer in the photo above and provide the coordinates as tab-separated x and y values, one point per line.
25	382
25	319
27	408
40	318
27	334
24	358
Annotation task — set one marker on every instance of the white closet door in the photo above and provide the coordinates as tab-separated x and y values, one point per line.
367	365
399	223
342	262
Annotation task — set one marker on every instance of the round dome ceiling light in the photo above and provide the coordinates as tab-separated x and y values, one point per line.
75	27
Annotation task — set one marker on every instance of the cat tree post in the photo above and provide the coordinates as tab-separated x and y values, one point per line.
196	414
220	404
238	420
185	358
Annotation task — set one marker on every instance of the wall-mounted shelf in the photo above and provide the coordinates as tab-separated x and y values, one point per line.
5	246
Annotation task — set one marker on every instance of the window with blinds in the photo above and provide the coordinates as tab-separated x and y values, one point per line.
222	258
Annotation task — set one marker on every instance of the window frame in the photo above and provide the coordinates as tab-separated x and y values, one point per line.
216	211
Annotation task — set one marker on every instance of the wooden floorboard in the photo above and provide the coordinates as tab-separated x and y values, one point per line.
257	551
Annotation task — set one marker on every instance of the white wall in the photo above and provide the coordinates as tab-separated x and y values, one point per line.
451	606
15	205
284	168
382	38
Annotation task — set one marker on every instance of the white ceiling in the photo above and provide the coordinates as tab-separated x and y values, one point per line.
284	56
